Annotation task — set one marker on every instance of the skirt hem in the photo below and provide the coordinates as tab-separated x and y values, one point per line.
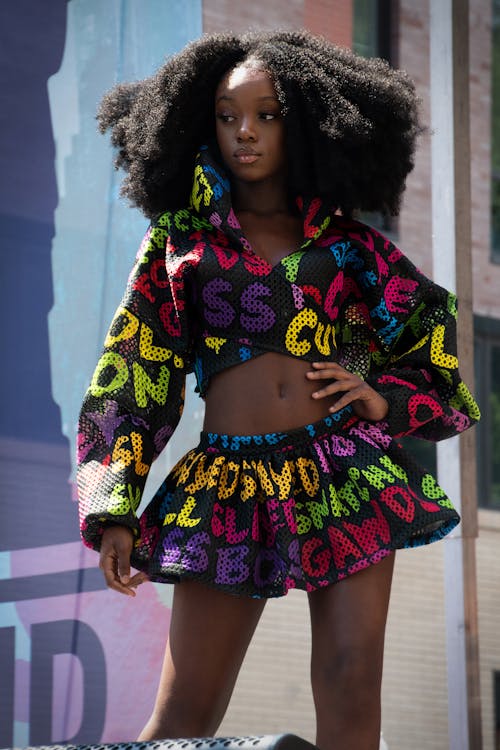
260	514
177	574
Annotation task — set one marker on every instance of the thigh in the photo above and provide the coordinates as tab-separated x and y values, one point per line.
348	622
353	611
209	634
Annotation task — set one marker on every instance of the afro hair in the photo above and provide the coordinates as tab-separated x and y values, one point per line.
351	122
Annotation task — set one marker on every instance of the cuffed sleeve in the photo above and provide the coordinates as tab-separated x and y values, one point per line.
414	361
136	394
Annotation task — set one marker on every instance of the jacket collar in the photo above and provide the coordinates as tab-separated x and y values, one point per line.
211	198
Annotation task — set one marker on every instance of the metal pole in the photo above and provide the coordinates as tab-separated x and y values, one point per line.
452	267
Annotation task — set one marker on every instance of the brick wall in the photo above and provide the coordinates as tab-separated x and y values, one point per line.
486	274
414	225
234	15
331	19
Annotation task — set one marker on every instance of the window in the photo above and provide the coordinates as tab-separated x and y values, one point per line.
487	366
495	133
372	26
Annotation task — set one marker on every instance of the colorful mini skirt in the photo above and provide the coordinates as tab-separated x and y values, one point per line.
257	515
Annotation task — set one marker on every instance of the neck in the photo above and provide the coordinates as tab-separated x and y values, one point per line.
262	198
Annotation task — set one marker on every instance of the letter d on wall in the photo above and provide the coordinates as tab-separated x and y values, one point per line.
78	639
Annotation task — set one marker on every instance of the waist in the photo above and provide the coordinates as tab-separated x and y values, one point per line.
268	393
275	441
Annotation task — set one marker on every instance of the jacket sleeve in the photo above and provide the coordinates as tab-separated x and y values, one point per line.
136	394
413	343
420	379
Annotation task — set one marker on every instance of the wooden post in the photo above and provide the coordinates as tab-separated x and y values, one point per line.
451	223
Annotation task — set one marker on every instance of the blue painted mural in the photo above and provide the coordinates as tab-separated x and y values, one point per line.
68	242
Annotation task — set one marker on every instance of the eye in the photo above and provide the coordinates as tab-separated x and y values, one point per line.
269	115
224	117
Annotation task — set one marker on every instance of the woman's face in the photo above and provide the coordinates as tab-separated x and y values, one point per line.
249	125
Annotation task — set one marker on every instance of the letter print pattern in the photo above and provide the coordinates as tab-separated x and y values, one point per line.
257	515
199	299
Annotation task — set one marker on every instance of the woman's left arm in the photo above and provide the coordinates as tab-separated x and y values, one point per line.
420	380
416	388
397	336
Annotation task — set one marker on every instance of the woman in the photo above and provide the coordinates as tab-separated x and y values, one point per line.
315	343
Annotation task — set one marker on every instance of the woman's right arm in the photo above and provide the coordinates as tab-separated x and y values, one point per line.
133	404
116	547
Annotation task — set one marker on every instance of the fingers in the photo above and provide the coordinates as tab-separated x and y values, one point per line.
137	579
324	370
354	394
340	380
116	547
349	389
329	370
337	386
109	567
123	559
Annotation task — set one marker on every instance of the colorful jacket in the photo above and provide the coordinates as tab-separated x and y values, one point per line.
198	299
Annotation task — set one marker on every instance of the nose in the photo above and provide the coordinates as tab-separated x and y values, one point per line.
246	131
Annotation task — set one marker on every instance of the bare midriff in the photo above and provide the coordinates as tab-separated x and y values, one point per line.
266	394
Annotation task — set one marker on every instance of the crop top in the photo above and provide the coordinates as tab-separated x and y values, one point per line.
199	299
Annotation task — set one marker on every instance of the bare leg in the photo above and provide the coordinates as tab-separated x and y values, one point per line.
209	635
348	625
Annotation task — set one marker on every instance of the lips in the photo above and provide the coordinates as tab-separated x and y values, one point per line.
246	155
